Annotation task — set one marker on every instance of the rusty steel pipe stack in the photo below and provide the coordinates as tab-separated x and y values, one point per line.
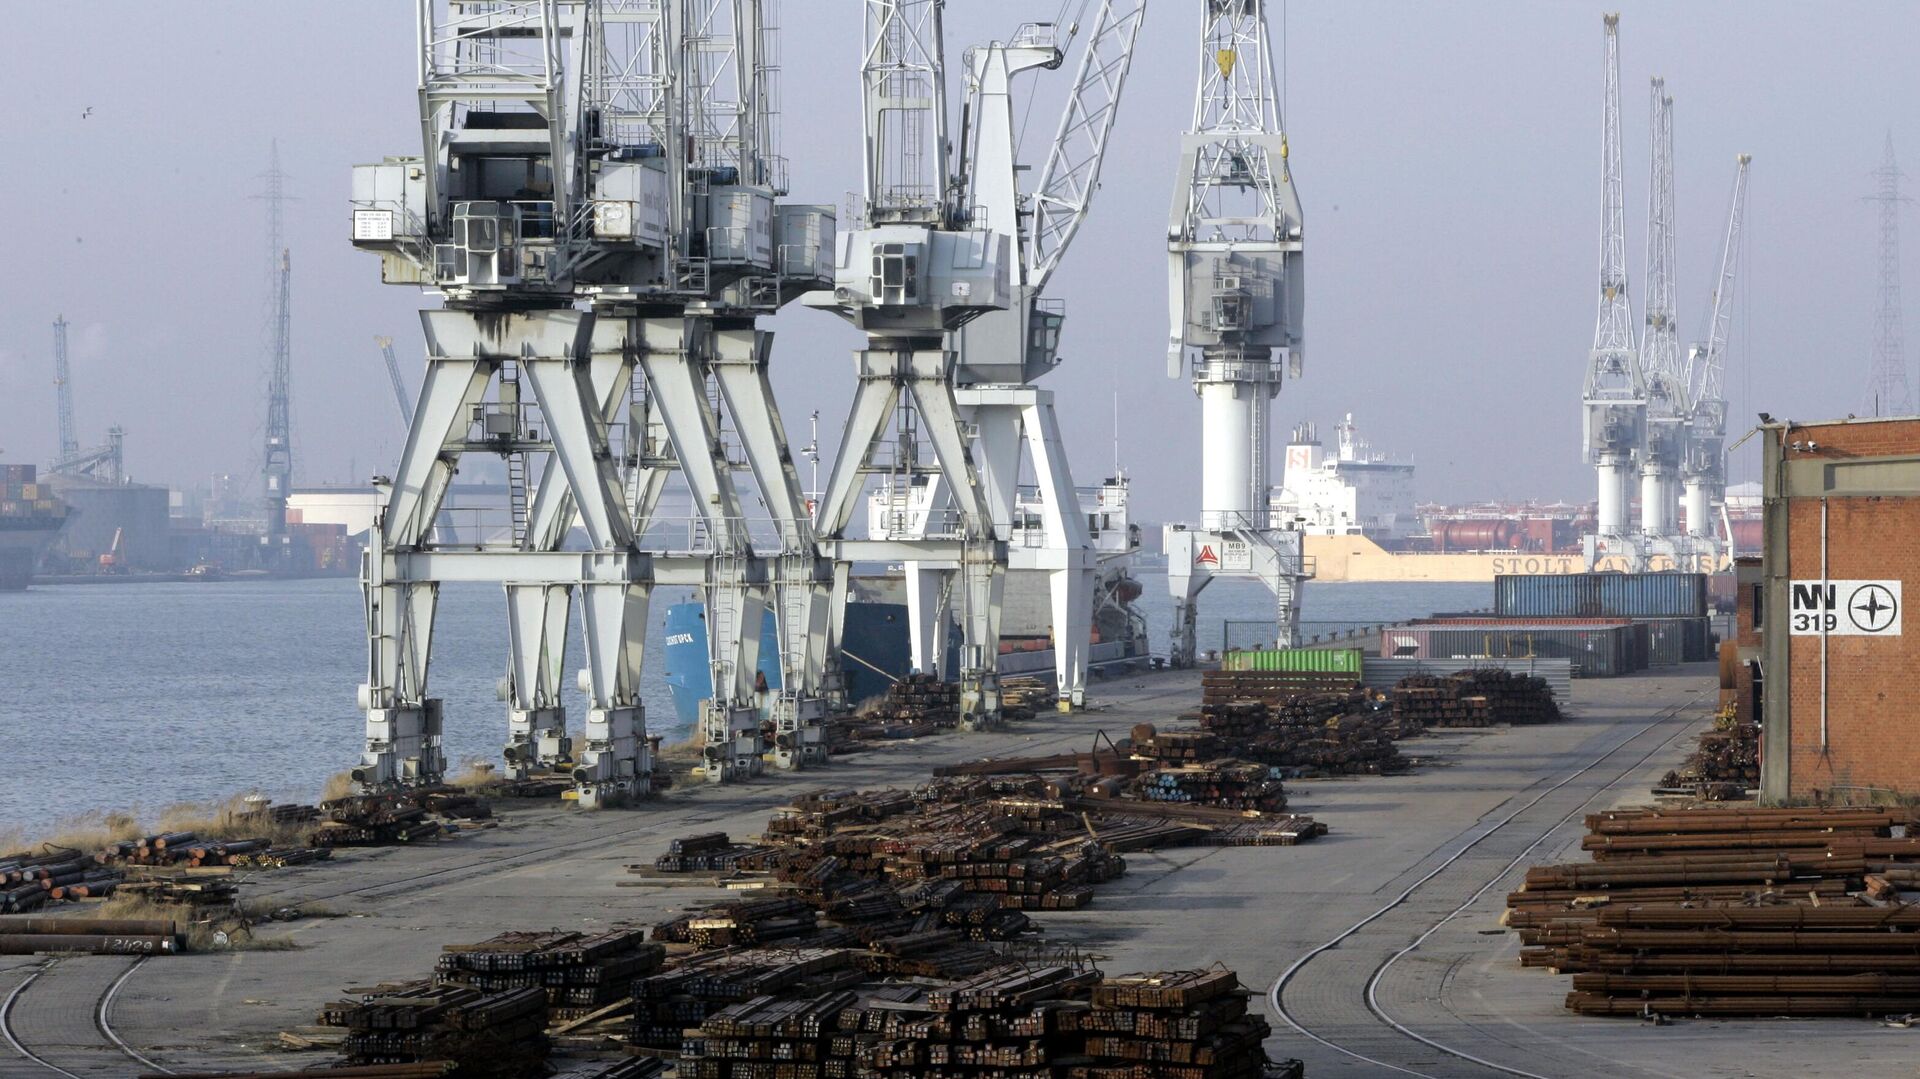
1731	911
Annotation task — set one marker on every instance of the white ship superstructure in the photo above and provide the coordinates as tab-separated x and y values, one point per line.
1350	491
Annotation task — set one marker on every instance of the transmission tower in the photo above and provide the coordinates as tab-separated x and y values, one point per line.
63	389
276	468
1887	390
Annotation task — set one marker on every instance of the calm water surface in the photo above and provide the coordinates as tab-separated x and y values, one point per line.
142	695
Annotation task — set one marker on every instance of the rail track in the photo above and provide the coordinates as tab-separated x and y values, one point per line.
1523	831
59	1018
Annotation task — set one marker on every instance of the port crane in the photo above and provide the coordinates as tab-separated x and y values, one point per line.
684	92
917	266
103	462
1614	398
276	463
1237	288
1704	471
572	155
1661	363
1001	353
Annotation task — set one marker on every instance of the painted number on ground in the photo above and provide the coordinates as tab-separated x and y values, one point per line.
1845	608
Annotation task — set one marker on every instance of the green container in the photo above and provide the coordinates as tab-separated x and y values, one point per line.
1324	660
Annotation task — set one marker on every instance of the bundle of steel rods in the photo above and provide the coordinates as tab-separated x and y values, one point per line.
1721	911
578	971
1473	698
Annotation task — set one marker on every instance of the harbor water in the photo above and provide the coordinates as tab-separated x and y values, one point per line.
137	696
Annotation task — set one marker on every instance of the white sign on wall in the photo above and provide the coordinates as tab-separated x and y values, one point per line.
1845	608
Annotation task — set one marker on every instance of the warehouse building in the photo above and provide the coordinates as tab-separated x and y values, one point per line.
1840	715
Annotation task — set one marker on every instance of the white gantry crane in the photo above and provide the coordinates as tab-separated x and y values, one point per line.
1614	399
545	180
918	266
1703	473
683	93
1001	353
1660	357
1237	292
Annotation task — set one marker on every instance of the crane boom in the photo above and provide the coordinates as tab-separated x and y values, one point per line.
63	390
1072	172
1707	365
400	397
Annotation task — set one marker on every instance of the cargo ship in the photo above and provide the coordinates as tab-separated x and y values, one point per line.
876	641
1361	522
30	519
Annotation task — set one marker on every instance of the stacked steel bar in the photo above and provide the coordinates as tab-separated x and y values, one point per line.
493	1033
1229	784
1179	1025
1729	912
682	997
395	816
1473	698
745	921
1725	765
755	1037
713	852
1271	687
579	972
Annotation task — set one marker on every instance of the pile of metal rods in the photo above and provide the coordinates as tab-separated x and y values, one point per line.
1720	911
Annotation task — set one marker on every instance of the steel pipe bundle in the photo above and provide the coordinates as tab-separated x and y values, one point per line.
1730	911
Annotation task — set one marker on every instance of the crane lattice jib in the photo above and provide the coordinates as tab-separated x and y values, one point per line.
1660	344
63	391
1072	172
903	81
1710	361
1614	369
1236	104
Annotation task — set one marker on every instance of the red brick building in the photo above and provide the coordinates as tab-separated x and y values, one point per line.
1840	656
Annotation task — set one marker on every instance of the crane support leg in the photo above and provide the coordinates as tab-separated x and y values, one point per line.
1068	551
983	560
739	363
929	591
616	761
673	352
536	660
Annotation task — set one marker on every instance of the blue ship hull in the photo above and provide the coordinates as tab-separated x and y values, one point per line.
876	641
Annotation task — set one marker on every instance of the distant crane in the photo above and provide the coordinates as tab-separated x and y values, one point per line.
104	462
400	397
1660	358
1614	399
1704	472
63	388
276	468
1888	392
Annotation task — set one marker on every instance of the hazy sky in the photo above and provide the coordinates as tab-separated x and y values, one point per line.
1447	156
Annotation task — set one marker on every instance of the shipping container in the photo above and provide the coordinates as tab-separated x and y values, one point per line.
1328	660
15	475
1613	595
1603	650
1672	641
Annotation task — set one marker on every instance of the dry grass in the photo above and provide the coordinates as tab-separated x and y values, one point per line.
90	832
339	785
475	775
201	928
231	819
